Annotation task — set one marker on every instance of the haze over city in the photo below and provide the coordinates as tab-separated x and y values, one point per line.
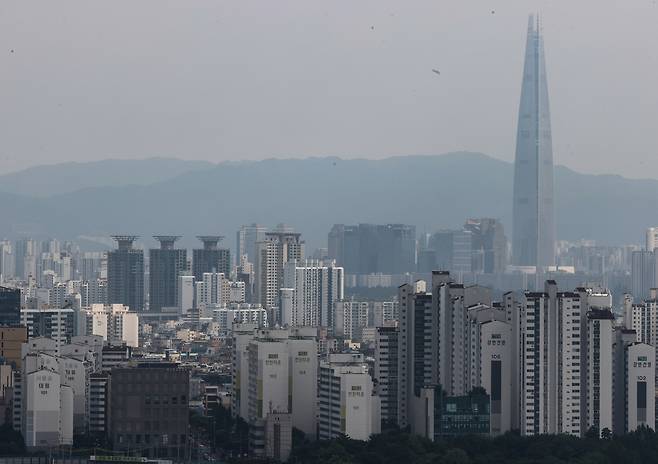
252	80
327	233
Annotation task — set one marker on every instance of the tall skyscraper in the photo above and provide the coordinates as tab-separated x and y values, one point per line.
643	273
247	238
211	258
165	265
534	209
125	274
489	245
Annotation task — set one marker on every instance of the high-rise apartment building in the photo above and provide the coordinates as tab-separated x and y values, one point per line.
652	239
272	255
166	264
634	387
315	290
373	248
212	289
549	369
210	258
599	368
418	346
7	260
125	274
275	371
533	239
56	324
347	403
386	373
350	318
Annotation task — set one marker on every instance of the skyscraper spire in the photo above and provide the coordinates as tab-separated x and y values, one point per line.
533	241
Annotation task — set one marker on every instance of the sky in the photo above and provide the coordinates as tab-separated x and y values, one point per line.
253	79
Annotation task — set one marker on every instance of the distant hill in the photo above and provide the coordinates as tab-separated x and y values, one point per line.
53	179
314	193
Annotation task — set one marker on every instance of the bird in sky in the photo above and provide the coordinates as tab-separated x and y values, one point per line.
436	71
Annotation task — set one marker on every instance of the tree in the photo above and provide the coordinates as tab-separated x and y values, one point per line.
11	441
606	433
456	456
592	433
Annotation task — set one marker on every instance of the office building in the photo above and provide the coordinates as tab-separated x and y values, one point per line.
166	264
643	273
211	258
461	415
488	245
10	306
373	248
149	409
125	274
347	403
451	250
533	238
247	238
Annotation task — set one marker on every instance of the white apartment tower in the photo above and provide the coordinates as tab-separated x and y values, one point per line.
490	362
316	288
347	403
272	254
549	361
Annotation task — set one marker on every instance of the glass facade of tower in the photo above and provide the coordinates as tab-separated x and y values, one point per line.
533	209
10	306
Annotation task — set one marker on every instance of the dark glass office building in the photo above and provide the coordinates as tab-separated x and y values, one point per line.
165	265
374	248
210	258
125	274
10	306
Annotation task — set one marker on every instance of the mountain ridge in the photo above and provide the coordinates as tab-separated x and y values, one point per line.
429	191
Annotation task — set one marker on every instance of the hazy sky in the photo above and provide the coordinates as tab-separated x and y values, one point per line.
241	79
